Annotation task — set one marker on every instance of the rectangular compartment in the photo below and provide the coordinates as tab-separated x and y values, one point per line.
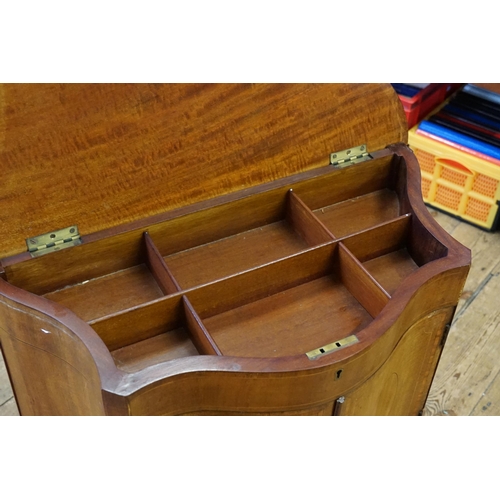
241	249
95	281
327	304
113	292
392	252
296	321
234	254
174	331
360	213
391	269
167	346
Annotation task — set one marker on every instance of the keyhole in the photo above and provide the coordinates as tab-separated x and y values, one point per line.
338	374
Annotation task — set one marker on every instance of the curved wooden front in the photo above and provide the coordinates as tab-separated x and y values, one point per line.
52	371
55	372
59	365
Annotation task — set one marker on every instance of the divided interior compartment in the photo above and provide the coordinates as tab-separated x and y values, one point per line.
277	272
390	253
280	227
106	294
183	334
360	213
300	316
284	308
93	282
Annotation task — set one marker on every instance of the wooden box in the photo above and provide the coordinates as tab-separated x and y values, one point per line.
218	249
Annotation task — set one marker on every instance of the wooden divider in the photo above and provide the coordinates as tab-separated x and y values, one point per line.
305	223
380	239
362	285
159	268
199	334
214	298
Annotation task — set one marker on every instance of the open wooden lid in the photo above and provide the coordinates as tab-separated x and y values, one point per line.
99	155
492	87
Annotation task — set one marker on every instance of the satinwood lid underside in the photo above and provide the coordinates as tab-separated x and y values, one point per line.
100	155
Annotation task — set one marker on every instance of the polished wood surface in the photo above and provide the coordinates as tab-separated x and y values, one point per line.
98	155
467	380
236	342
53	370
386	392
268	299
492	87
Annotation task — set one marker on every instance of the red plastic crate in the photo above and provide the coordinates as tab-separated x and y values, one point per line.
422	103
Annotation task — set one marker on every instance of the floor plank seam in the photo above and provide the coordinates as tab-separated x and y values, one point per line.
471	299
6	401
485	392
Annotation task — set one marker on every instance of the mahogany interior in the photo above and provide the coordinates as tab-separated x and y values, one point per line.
158	349
110	293
296	321
371	209
234	254
295	267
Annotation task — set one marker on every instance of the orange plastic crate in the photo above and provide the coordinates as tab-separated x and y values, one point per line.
458	182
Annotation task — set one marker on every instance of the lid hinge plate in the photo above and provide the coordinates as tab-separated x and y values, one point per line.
350	156
53	241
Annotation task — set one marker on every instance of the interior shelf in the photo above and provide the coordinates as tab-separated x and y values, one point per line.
296	321
360	213
282	273
101	296
158	349
234	254
392	269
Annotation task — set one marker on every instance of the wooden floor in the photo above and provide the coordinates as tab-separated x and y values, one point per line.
467	381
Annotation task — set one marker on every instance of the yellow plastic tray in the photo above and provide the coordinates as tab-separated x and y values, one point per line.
457	182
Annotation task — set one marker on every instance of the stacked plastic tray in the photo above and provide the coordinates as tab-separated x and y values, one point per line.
419	99
458	148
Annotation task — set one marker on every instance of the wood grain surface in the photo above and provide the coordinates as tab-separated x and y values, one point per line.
186	144
467	380
97	155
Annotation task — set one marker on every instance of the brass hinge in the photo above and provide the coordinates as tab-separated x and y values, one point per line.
55	240
349	156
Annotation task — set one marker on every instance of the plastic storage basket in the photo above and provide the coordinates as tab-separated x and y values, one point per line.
426	100
457	182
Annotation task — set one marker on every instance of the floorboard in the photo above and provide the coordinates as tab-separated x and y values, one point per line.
467	376
7	403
